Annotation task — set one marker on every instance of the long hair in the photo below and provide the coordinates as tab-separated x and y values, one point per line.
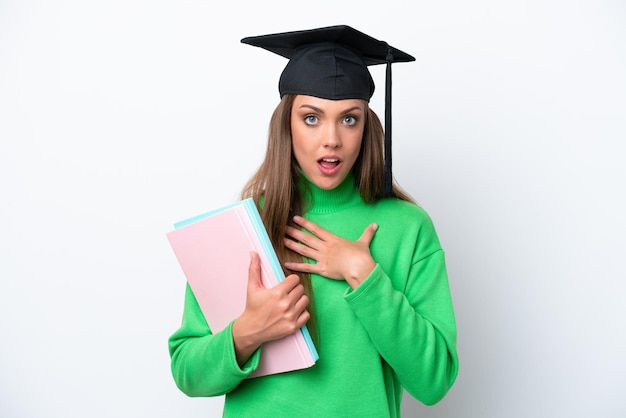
278	196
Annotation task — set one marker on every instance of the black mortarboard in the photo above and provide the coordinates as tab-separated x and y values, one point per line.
331	63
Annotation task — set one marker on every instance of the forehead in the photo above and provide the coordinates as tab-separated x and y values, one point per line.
326	105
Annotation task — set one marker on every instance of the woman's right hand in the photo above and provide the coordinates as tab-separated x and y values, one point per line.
270	314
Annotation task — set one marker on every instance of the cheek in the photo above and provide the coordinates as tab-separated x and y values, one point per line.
355	146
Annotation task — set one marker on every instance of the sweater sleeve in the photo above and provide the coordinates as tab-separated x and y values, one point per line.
203	363
414	329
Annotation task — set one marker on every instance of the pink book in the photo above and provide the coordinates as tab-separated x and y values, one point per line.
213	250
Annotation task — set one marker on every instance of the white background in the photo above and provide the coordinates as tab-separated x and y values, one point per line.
119	118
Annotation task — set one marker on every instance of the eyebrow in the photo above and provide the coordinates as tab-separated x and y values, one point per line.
317	109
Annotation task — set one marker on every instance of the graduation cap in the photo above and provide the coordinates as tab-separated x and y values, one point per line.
331	63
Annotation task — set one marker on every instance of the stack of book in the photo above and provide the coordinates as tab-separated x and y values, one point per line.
213	250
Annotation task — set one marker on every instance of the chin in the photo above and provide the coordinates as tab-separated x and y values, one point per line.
327	184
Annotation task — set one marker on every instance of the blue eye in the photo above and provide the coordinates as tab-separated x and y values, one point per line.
349	120
310	119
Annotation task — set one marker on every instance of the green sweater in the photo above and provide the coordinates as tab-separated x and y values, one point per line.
396	330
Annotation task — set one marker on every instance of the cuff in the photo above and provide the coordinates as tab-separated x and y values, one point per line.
231	359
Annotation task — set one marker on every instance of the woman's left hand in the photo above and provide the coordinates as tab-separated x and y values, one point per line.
336	258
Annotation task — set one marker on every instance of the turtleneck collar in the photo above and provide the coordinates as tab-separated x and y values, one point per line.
327	201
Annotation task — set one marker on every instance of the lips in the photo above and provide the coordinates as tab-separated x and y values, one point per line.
329	165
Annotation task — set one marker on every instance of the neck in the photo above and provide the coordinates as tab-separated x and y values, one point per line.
325	201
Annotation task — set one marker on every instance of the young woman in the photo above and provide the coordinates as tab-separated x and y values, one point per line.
365	269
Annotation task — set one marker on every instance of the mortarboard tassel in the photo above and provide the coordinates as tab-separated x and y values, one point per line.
388	175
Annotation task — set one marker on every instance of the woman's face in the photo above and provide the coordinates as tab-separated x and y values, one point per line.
326	137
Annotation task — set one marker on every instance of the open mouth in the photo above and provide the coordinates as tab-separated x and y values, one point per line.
329	163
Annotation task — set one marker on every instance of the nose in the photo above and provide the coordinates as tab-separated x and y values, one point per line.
333	139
